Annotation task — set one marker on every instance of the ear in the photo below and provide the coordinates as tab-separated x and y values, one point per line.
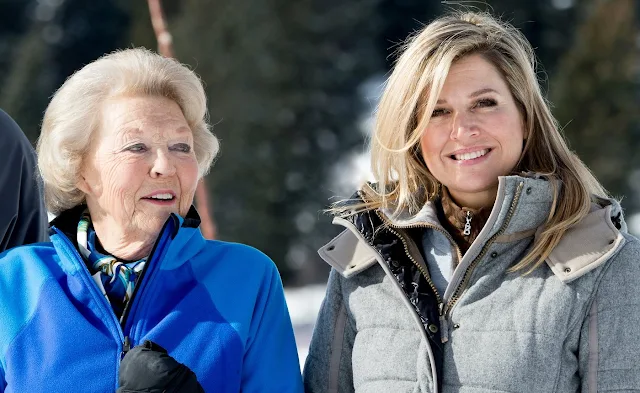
83	185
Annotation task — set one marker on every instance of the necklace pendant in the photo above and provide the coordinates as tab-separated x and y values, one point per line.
467	225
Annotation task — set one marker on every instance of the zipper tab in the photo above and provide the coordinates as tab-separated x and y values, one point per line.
444	329
126	346
467	225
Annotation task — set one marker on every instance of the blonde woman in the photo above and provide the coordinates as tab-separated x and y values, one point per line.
128	295
486	257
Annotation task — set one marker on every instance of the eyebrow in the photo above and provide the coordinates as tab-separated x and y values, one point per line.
474	94
183	130
138	131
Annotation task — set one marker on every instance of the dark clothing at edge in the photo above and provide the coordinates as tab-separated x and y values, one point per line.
23	217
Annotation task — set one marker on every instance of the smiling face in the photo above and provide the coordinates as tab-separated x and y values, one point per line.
140	168
475	133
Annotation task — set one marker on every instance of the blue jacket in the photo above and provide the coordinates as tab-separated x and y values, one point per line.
216	307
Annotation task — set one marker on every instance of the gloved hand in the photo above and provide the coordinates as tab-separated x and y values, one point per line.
148	368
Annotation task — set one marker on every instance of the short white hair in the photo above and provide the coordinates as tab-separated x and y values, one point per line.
73	115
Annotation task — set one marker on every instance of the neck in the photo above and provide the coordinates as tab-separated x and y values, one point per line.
121	243
464	223
476	200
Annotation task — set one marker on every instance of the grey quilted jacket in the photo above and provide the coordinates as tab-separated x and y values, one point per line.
572	325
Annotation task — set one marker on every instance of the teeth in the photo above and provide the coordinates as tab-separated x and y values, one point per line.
470	156
162	196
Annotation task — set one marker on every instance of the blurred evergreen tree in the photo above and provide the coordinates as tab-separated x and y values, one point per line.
548	25
43	43
595	93
282	80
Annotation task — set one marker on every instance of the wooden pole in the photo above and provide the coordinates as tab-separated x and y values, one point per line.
165	48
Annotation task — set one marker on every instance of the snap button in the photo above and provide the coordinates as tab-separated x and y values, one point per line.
567	270
433	328
331	248
528	190
494	254
456	325
612	241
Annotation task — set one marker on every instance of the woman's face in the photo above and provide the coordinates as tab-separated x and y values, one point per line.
475	133
141	166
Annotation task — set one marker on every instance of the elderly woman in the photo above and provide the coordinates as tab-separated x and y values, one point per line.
123	144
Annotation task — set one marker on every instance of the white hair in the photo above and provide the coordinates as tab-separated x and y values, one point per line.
72	115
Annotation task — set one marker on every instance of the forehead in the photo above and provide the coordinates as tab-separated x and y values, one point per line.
470	71
140	115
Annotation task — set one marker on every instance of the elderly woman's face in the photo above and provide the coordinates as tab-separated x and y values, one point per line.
141	166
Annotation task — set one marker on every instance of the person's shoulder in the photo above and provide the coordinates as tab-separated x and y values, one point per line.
31	260
235	269
627	259
594	242
12	134
24	269
27	254
241	256
617	288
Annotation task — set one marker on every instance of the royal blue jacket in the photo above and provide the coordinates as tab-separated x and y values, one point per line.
216	307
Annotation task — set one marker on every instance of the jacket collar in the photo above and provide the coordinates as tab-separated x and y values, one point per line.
534	198
187	240
522	206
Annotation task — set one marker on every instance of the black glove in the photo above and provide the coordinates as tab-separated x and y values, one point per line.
148	368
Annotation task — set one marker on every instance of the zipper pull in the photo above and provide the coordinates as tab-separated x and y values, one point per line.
126	346
467	225
444	325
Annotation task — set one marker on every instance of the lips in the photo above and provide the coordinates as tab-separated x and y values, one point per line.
163	195
469	155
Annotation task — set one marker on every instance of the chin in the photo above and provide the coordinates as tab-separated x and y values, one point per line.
474	185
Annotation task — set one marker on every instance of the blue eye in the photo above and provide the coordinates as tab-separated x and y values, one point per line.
182	147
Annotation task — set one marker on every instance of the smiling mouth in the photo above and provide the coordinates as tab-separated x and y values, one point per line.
470	156
161	197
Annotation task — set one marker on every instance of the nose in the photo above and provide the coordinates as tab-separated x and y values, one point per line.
463	126
163	165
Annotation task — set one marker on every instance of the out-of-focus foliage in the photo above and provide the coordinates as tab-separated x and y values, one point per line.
281	78
596	91
291	82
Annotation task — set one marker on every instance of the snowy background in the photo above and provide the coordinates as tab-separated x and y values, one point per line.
304	304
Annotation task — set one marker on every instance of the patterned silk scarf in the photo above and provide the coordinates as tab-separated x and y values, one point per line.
118	277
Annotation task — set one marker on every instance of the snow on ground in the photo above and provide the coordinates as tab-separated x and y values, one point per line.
304	304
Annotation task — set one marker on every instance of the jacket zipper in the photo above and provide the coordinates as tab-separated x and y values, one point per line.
444	308
117	326
349	225
444	330
143	281
425	274
93	288
469	270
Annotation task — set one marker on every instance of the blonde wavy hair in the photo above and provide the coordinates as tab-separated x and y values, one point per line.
71	117
411	93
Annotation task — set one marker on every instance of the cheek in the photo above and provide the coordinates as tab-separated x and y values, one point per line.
122	179
431	144
188	176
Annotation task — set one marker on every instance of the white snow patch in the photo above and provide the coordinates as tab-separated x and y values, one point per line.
304	304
